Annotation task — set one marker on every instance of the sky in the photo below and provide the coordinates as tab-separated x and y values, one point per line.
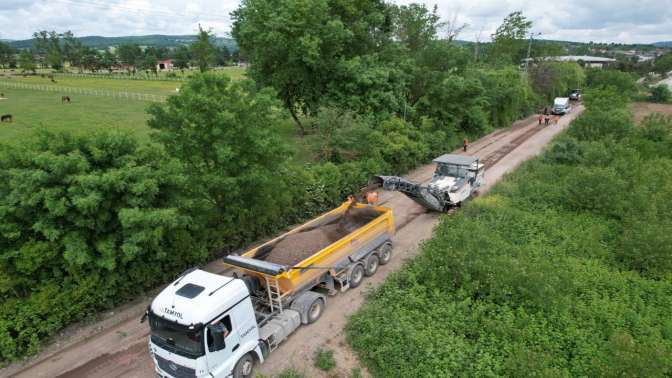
625	21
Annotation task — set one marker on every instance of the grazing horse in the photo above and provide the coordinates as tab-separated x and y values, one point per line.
6	118
65	99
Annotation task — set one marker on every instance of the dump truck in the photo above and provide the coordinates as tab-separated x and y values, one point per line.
211	325
456	178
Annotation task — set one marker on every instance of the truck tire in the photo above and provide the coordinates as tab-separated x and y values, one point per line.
356	275
244	367
385	253
309	305
315	310
372	263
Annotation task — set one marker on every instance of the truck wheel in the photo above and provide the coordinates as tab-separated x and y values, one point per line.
372	263
244	367
356	275
315	310
385	253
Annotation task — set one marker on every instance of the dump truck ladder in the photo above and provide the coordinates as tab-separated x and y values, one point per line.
274	294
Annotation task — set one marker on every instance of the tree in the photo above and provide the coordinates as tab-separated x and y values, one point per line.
27	61
555	79
309	49
182	58
415	26
7	53
129	54
223	56
508	42
663	64
73	50
91	59
48	44
150	62
202	50
108	60
226	134
624	82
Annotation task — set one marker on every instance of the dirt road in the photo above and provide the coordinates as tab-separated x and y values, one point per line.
117	346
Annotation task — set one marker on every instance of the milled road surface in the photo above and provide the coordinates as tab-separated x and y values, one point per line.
117	346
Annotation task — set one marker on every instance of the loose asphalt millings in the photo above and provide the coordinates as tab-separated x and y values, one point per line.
297	247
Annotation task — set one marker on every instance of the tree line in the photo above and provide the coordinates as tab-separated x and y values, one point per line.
60	50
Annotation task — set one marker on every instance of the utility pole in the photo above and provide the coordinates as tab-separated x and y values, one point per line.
478	41
529	49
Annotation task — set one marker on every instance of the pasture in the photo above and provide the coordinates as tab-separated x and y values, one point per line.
34	109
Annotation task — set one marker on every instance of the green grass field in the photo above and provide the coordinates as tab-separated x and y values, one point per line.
36	109
32	110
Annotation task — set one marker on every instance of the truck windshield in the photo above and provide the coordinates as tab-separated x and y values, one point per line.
452	170
176	338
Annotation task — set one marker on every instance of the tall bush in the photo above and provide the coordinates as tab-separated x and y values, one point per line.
85	222
226	134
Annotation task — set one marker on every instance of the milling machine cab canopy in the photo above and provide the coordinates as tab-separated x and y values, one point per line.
453	165
453	171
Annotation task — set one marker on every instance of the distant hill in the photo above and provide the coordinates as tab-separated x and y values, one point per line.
663	44
156	40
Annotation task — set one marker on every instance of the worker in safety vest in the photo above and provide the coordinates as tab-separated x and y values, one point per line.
372	197
465	144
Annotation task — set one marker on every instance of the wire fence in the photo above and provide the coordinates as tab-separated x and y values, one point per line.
85	91
120	76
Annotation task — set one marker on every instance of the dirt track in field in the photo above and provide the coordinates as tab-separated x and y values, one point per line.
117	345
643	109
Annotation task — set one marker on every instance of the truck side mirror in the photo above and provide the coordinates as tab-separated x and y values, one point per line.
217	335
144	317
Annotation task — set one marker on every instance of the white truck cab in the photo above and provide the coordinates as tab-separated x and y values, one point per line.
203	325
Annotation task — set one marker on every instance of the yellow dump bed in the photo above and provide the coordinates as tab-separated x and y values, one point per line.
340	237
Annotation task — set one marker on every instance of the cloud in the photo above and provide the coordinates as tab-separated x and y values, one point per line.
578	20
625	21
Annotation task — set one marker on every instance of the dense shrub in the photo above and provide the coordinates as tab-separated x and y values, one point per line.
660	93
508	94
600	124
74	213
565	269
623	82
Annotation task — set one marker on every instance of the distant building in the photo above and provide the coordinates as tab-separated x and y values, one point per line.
585	60
164	65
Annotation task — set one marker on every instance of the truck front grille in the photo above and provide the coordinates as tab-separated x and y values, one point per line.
175	370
